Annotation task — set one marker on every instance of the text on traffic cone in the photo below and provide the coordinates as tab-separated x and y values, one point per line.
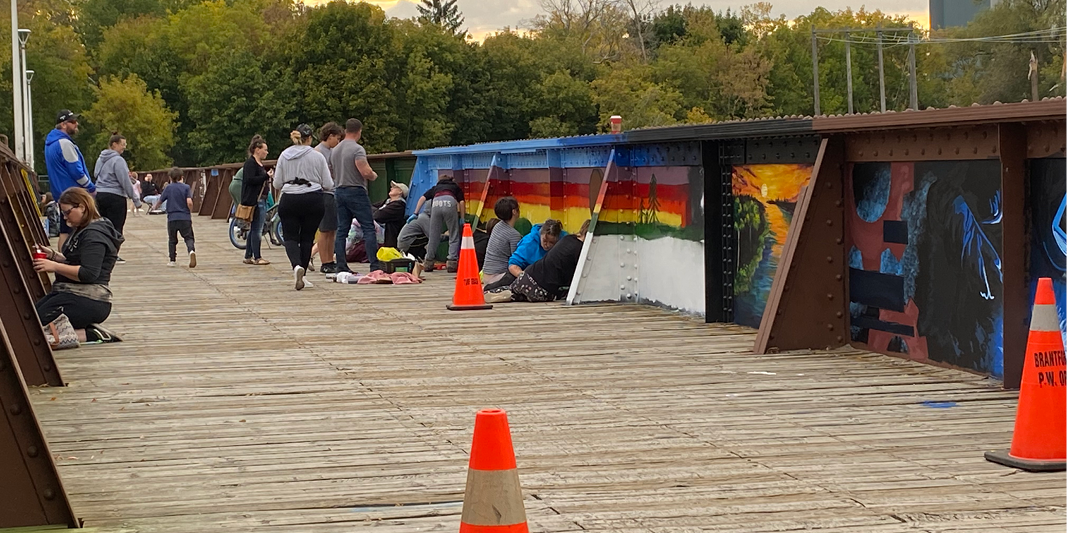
1039	442
468	293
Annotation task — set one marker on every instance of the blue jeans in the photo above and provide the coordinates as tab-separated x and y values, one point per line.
353	203
254	243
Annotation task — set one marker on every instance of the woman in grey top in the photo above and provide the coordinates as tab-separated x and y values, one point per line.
113	185
503	239
302	175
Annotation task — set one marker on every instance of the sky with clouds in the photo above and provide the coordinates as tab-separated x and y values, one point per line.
487	16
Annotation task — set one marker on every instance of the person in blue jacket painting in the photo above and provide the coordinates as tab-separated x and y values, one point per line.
65	163
534	246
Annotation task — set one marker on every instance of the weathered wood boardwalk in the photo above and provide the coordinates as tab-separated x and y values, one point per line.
238	404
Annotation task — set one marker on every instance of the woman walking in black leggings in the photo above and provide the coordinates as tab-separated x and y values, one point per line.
302	175
113	185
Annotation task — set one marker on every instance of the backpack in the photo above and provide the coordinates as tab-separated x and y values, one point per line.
236	184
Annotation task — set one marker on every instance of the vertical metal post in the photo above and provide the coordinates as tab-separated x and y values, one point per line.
914	104
16	87
848	72
29	121
881	73
24	36
814	67
1034	92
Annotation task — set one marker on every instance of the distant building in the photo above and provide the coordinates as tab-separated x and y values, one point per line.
949	13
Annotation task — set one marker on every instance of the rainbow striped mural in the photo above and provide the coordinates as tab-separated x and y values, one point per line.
641	197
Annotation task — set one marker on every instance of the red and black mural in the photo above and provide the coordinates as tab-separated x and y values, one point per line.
925	271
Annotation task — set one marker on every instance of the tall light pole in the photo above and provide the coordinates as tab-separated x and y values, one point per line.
16	87
24	35
29	122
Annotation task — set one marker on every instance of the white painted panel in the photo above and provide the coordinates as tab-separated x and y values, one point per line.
671	273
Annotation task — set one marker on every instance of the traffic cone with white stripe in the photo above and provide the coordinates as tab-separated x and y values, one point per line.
468	294
1039	443
492	502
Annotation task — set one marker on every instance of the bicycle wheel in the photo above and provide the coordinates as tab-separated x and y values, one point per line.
276	232
238	234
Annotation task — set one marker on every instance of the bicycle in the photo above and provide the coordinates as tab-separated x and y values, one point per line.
272	227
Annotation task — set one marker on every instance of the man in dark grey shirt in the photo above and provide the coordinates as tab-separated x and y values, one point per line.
330	134
351	172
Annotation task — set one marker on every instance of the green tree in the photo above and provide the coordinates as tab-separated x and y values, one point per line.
347	67
786	45
986	72
238	97
565	107
95	16
443	13
629	92
128	107
61	69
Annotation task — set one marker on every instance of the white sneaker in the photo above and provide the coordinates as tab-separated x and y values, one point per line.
298	277
172	264
192	259
308	284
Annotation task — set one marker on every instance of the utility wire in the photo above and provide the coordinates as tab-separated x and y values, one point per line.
862	37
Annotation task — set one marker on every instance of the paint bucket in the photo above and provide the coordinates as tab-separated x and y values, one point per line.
616	124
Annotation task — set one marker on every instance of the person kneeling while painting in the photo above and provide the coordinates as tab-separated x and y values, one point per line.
548	278
534	246
82	269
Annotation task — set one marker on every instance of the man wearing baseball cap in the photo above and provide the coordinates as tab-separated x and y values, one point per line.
66	166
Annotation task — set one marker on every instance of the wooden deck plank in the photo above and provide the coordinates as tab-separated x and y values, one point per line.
238	404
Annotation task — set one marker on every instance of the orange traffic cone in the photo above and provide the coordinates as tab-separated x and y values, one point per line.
468	294
492	502
1039	443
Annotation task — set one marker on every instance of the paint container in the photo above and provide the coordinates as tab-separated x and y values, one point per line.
616	124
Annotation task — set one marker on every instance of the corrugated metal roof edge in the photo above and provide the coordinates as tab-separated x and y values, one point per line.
757	127
1046	109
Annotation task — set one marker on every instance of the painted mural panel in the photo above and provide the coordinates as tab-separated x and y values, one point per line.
655	202
924	258
764	199
1048	230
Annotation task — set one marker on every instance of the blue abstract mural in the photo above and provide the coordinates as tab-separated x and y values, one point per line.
1048	230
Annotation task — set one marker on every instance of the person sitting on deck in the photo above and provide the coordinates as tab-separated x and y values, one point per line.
503	239
82	268
548	278
390	213
531	248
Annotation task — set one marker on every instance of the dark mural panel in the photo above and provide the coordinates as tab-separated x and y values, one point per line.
926	240
1048	229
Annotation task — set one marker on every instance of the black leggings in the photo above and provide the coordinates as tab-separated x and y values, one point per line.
81	311
301	215
112	207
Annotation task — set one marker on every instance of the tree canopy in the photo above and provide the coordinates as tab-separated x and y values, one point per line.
190	81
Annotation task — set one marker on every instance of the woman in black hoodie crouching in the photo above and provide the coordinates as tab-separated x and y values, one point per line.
82	268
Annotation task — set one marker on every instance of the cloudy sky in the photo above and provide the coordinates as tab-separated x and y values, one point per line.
486	16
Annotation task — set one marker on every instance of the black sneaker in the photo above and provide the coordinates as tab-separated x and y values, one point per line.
328	268
120	261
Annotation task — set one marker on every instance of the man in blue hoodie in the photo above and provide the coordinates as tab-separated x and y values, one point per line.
66	166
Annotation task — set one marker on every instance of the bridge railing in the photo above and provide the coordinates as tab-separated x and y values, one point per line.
32	493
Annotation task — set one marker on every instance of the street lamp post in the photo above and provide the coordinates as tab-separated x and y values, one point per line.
29	121
16	87
24	35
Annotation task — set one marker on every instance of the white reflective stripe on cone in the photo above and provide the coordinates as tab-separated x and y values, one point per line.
468	242
1045	318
